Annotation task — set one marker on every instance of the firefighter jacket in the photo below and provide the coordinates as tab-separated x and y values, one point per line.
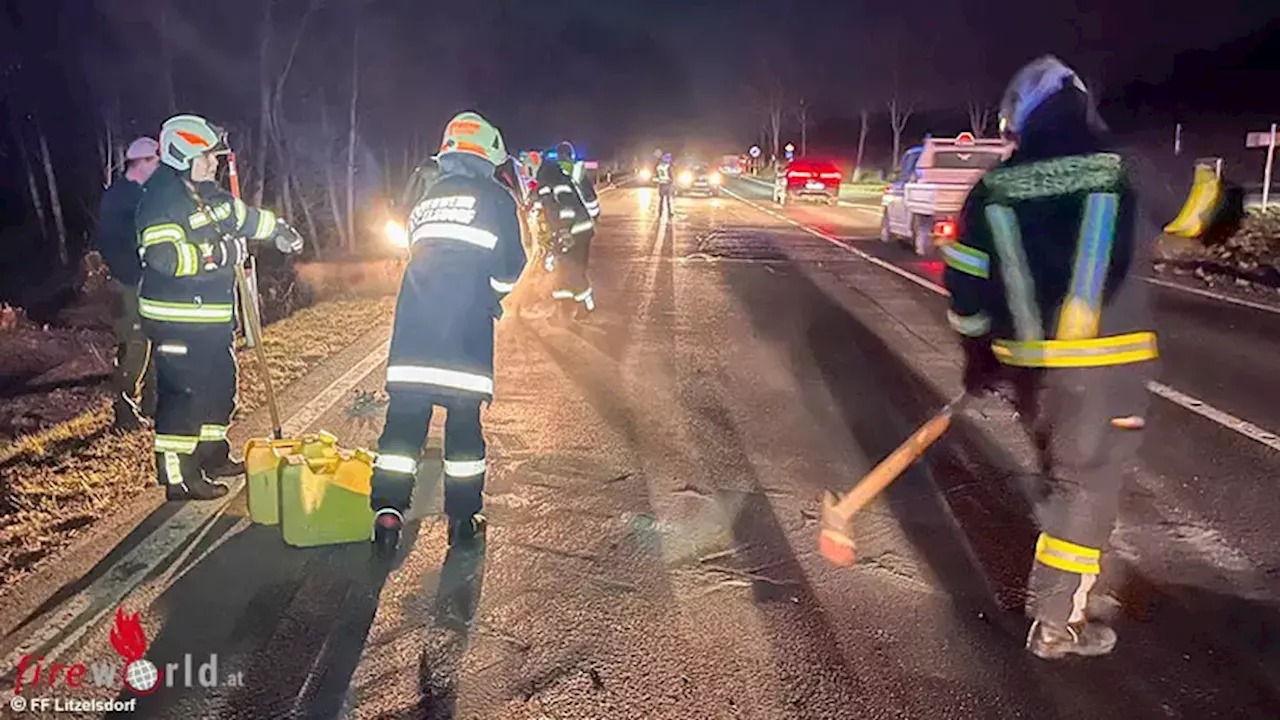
466	255
564	204
188	257
1043	262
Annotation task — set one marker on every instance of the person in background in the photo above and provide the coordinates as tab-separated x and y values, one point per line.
134	391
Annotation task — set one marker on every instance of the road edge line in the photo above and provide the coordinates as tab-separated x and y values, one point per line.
55	627
1160	282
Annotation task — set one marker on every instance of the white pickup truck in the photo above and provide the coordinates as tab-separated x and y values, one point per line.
923	203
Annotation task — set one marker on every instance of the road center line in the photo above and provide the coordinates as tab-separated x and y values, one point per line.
57	629
1188	402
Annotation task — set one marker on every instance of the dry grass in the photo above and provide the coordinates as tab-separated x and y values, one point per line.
55	484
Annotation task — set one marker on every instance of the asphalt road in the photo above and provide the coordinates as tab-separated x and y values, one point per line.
653	498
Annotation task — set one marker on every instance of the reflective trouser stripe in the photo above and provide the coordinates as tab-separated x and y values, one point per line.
562	294
501	286
172	348
172	468
185	312
1094	352
441	377
403	464
969	325
1014	271
1067	556
213	433
464	468
970	261
182	444
580	227
1082	309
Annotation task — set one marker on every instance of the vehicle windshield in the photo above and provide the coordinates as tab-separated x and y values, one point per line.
970	160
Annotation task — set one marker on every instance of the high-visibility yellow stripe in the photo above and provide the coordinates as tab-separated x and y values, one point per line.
970	261
168	232
188	259
1067	556
1016	273
1081	311
173	468
242	212
213	433
463	468
402	464
1093	352
266	225
185	312
181	444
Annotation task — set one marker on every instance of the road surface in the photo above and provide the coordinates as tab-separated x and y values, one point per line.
653	497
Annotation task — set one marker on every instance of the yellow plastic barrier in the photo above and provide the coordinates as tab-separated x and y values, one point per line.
315	490
1202	203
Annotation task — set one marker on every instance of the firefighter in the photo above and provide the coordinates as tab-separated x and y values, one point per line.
192	234
465	258
570	207
134	400
664	176
1044	295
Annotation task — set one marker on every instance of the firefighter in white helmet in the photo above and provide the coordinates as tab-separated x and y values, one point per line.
192	234
465	257
1044	294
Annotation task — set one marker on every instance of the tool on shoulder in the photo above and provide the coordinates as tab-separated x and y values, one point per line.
835	538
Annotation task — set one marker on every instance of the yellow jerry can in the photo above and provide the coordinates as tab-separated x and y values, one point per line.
324	493
263	459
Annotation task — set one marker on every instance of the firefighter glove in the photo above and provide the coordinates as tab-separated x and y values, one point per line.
288	240
235	250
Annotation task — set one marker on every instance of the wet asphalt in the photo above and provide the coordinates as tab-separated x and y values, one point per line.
653	497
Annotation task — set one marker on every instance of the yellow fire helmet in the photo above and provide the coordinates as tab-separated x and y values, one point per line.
469	133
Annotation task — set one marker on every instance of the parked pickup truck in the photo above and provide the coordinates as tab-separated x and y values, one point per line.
923	203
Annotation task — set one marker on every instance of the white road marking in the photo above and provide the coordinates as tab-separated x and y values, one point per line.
1227	420
67	622
1214	296
922	282
1188	402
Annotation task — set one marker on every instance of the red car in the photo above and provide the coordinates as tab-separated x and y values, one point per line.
807	178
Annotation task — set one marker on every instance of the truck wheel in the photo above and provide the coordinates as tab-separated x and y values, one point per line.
886	235
920	230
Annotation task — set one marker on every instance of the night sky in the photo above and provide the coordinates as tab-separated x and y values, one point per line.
611	74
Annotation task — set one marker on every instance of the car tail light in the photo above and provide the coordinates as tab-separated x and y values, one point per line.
799	174
945	230
830	176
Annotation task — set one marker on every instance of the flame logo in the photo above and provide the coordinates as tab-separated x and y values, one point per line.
130	640
128	637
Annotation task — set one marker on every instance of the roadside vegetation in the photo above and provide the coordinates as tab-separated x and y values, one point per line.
1249	260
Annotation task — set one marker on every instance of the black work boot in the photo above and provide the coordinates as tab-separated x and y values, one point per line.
193	486
216	462
468	530
1052	641
387	524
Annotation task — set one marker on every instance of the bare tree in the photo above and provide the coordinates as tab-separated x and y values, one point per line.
802	117
264	104
166	58
351	138
55	202
862	143
899	114
979	117
330	183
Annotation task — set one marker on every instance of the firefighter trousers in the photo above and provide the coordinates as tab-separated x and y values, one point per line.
1087	427
135	373
664	199
408	420
196	378
572	283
